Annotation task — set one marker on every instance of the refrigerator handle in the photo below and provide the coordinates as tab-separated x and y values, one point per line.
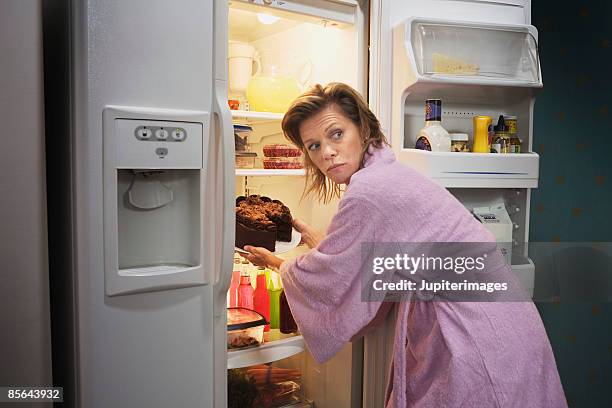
225	151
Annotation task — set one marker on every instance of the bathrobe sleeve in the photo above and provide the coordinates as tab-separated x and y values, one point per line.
323	286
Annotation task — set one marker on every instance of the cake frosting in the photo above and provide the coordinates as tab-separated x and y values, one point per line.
261	221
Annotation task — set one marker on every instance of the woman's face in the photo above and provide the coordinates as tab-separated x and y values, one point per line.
333	144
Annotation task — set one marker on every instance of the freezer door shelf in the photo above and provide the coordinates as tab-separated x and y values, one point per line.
266	353
475	170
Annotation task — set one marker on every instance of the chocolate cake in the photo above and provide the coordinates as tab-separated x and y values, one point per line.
261	221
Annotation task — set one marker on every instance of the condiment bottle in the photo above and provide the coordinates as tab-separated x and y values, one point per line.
501	143
287	323
515	142
481	134
245	291
274	290
247	268
232	298
433	136
261	298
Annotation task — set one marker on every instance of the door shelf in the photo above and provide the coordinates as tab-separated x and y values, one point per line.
475	170
270	172
266	353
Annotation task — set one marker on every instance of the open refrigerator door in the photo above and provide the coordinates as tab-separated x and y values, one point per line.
481	78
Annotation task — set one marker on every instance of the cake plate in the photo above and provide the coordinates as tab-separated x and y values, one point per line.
281	246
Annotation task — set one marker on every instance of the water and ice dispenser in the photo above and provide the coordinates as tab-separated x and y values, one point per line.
154	199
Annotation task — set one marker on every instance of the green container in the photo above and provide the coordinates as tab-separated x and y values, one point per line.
275	308
275	289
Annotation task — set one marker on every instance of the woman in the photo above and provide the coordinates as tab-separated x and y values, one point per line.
446	354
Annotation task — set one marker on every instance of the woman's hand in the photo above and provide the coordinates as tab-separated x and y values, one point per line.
261	257
310	236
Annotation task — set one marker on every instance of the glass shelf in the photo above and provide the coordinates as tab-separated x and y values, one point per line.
270	172
271	350
253	116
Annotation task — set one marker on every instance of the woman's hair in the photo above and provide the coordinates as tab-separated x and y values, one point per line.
354	107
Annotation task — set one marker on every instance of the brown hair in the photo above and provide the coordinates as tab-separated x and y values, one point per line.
352	104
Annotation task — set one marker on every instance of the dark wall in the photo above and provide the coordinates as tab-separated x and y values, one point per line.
573	134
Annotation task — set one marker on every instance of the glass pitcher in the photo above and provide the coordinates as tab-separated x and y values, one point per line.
274	89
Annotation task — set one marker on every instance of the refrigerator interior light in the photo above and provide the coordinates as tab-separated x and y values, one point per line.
266	18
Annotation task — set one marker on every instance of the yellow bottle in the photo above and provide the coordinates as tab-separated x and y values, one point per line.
481	134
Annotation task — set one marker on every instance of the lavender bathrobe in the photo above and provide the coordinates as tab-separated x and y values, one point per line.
445	354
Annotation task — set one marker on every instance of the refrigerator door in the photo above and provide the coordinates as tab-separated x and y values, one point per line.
152	343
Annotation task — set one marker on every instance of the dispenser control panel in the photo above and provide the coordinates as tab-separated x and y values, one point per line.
160	133
159	144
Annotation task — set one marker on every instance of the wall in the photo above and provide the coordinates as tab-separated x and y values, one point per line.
572	204
25	343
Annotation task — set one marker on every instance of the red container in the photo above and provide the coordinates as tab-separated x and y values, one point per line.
261	299
245	292
283	163
281	150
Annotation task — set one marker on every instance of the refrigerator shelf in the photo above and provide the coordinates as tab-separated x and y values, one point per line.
270	172
266	353
475	170
254	116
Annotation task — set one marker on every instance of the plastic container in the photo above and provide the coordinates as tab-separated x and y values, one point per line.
245	328
287	322
274	290
241	137
281	150
245	291
261	298
245	160
283	163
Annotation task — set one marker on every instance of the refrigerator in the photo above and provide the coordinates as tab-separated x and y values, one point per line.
149	138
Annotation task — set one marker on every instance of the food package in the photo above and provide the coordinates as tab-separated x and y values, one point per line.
281	150
283	163
444	64
245	328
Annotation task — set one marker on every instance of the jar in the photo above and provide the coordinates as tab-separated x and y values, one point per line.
510	121
515	144
459	142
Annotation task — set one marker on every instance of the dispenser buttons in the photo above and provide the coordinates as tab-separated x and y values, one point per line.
143	133
178	134
161	134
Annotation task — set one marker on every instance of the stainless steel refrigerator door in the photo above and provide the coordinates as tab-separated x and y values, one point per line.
153	349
